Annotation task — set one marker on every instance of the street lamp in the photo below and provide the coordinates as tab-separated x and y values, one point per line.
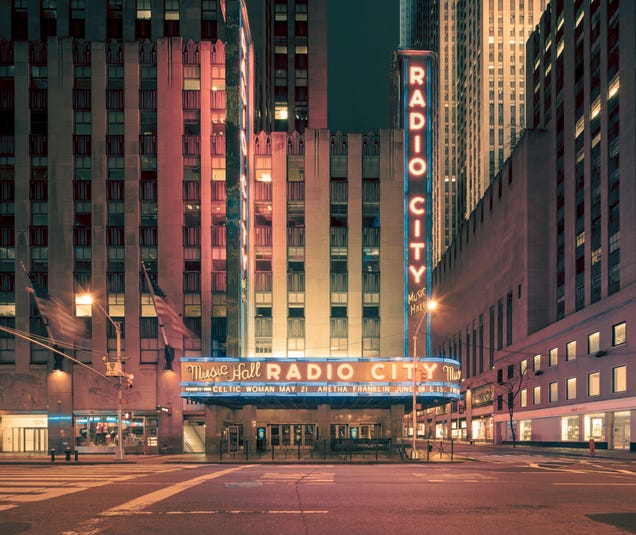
430	306
115	370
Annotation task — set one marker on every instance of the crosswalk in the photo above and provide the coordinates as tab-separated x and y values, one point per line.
19	484
295	477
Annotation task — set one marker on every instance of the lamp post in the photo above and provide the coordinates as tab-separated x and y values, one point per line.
115	371
430	306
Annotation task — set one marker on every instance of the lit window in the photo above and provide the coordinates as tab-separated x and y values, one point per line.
280	113
554	392
553	357
619	379
524	398
570	388
536	395
594	384
83	305
570	350
593	342
618	334
536	363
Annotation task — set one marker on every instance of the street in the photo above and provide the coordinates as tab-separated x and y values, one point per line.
492	494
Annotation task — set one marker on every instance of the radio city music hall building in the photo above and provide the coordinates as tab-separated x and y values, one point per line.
299	263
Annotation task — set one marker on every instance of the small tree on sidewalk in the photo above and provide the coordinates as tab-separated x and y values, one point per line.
509	390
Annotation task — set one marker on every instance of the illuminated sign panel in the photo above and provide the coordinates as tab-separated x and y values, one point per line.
417	84
244	153
318	377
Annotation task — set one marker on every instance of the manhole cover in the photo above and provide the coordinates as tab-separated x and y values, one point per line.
244	484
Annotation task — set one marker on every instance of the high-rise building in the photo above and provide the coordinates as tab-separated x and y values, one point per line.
539	285
254	283
290	41
480	47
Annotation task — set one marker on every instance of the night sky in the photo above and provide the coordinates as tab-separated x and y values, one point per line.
361	35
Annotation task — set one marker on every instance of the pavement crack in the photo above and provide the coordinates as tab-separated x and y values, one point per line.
299	500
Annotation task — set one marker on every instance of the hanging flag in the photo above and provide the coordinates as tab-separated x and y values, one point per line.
59	320
169	355
166	315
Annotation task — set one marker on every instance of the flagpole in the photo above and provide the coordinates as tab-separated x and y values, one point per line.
154	303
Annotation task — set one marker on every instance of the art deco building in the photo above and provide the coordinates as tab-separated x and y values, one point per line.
276	307
547	256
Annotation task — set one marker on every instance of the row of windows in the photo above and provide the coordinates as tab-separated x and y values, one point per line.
618	385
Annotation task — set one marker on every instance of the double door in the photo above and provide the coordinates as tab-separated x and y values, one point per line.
288	435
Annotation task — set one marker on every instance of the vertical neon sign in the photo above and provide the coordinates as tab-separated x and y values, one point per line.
416	85
244	164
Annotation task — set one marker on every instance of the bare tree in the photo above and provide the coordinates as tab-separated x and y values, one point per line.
509	388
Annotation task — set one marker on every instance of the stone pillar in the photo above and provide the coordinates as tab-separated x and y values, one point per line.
323	417
213	428
397	424
249	427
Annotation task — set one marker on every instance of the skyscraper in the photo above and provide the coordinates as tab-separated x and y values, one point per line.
481	63
290	40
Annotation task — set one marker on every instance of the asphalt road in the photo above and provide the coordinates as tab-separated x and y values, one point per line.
493	494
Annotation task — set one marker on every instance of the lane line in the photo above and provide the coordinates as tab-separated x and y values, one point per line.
136	505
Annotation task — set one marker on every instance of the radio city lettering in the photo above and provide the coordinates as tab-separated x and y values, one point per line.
416	169
244	150
364	371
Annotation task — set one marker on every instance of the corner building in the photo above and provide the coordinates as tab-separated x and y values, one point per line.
127	137
547	256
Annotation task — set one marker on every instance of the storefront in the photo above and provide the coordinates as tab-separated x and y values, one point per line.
97	432
24	433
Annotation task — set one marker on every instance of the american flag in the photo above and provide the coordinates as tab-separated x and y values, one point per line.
166	315
59	320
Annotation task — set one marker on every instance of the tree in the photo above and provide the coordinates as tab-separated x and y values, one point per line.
509	389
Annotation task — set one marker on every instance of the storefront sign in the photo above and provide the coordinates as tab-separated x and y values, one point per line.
382	377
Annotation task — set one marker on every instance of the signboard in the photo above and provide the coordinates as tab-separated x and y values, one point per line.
416	101
391	378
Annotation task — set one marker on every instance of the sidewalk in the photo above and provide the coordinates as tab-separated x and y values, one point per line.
461	452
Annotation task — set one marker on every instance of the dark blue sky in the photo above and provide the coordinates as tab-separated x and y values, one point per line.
361	35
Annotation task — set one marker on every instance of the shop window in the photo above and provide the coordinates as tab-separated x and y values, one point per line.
594	426
525	430
570	428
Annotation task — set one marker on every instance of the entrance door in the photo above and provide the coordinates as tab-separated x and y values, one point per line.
29	439
292	435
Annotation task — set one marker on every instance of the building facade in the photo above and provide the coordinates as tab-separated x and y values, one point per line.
252	286
547	255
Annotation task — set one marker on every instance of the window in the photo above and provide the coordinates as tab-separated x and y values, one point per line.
570	388
570	428
524	398
593	384
536	395
619	379
618	334
554	392
593	342
523	368
553	359
570	351
536	363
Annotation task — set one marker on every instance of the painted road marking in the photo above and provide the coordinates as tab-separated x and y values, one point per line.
136	505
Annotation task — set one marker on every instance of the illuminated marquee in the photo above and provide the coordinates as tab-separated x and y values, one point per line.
318	377
416	107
